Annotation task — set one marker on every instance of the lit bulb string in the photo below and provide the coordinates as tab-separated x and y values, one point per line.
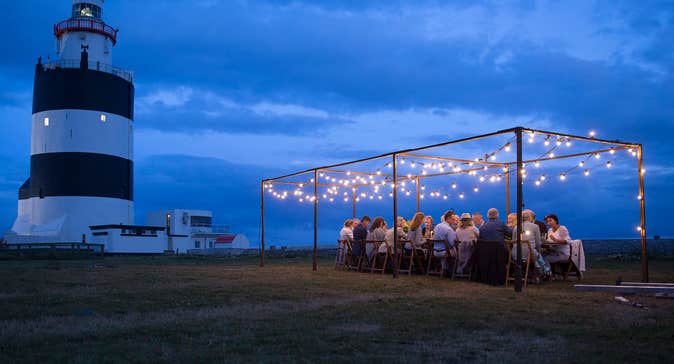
358	181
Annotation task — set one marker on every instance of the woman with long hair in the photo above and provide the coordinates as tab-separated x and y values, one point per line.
377	233
415	235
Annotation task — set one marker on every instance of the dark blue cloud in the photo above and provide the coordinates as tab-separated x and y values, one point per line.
333	61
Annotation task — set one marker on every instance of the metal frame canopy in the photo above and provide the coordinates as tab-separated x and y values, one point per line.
443	165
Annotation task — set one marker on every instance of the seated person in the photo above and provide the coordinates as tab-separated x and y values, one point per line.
414	234
558	237
444	231
533	235
377	233
345	234
360	234
467	234
400	223
427	227
494	230
347	230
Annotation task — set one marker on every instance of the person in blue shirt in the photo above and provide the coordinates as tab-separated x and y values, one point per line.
360	234
494	229
444	231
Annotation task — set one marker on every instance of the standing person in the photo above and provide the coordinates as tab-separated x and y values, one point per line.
356	221
478	220
494	229
558	237
377	233
360	234
414	234
427	227
443	231
467	235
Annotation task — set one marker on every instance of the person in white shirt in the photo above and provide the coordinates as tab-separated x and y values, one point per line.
345	234
558	237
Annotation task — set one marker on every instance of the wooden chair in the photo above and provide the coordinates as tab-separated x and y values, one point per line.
405	257
366	262
384	258
457	259
529	260
353	261
434	263
568	267
340	257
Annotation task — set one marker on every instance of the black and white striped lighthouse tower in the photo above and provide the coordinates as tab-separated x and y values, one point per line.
81	157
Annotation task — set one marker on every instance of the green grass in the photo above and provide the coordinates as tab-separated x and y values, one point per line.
176	309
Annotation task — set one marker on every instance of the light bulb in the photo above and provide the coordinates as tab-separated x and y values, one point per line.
562	176
608	164
587	172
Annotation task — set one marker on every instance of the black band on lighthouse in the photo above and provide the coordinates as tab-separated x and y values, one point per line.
81	174
75	88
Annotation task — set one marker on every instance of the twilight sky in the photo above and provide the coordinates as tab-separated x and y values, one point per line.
230	91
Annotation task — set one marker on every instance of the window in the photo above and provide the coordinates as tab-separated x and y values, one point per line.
86	10
200	220
103	117
196	244
46	121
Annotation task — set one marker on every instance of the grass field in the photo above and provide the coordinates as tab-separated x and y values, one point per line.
178	309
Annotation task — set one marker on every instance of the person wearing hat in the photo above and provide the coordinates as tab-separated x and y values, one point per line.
466	234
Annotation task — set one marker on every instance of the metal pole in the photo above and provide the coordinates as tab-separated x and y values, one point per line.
418	193
507	191
353	202
262	225
518	269
642	211
395	216
315	263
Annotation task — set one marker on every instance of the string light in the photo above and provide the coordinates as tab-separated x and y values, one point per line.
412	164
542	177
639	197
445	196
568	142
453	185
608	164
546	142
402	160
643	170
476	189
461	195
587	172
581	164
562	176
612	151
507	147
559	141
538	182
592	133
551	154
537	164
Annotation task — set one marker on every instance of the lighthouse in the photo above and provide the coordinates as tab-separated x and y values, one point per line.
81	151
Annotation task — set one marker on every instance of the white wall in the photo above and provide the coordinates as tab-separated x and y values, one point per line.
82	131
